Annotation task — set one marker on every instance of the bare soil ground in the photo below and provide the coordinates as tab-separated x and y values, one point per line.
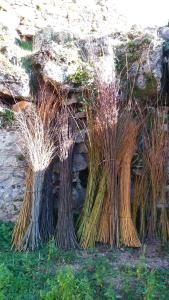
154	254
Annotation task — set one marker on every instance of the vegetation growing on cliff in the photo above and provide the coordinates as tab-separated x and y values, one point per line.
80	78
25	45
7	118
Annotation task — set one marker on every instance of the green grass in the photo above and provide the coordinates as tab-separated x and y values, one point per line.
50	274
7	118
26	63
25	45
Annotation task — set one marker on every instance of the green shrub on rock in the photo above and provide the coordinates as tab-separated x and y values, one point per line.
81	77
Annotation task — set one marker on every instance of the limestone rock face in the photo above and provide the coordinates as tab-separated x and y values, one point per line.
164	33
9	22
67	34
63	58
14	81
84	17
12	174
66	59
57	61
139	60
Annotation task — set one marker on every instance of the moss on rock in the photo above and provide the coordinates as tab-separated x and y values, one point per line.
130	52
150	89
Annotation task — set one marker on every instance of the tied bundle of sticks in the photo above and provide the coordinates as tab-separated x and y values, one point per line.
49	110
35	128
96	185
107	117
128	233
25	213
140	203
114	137
65	232
155	158
99	220
150	201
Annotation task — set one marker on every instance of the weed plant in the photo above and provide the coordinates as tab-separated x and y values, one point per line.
51	274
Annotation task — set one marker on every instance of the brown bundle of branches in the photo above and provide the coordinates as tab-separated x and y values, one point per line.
65	232
150	198
25	213
113	133
107	116
96	185
128	234
36	135
49	110
156	153
99	221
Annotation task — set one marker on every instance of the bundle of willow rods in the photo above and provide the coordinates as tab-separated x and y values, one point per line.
164	222
156	152
128	234
49	111
140	203
35	128
155	155
86	233
90	234
150	199
107	116
24	215
46	220
111	134
99	220
65	232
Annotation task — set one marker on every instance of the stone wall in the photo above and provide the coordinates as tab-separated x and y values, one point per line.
12	175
